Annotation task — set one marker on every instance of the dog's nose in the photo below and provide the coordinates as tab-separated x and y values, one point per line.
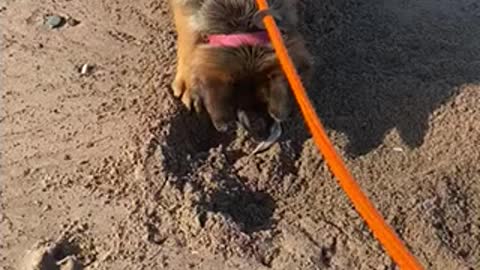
280	115
220	126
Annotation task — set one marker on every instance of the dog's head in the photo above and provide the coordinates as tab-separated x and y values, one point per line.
222	83
240	70
246	78
212	85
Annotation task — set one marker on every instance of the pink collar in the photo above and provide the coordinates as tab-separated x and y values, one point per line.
236	40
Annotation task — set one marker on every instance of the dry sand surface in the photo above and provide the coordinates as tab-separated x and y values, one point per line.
106	170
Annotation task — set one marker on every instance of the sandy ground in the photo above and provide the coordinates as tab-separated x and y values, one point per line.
110	169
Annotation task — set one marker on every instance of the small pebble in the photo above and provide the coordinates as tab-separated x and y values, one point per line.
72	22
83	162
398	149
84	70
70	263
26	172
84	226
54	21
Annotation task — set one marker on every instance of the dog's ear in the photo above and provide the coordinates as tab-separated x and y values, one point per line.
277	96
283	11
302	59
213	92
275	90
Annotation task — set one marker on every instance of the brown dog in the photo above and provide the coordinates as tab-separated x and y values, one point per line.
226	64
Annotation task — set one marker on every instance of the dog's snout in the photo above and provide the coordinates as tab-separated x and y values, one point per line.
280	113
220	126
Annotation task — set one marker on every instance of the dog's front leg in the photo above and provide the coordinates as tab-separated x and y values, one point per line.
187	39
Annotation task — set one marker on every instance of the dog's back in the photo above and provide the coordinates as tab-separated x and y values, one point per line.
239	16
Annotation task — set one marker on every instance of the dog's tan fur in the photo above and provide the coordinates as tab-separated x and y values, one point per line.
225	80
187	39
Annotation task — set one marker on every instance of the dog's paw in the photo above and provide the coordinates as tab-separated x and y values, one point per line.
197	102
185	94
178	86
187	99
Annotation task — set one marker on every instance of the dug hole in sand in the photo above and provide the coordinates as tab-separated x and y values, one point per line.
109	168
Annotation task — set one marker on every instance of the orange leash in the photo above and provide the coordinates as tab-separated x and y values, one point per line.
382	231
